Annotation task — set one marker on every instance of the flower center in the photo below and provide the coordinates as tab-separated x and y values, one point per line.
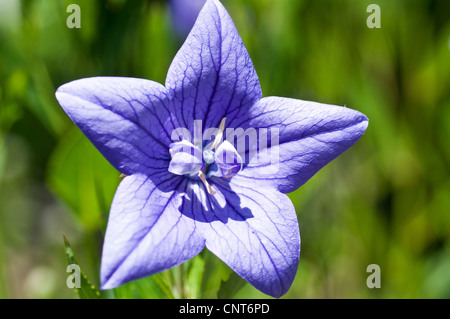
218	159
208	156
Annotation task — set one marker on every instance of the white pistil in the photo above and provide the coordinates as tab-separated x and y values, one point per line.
208	187
218	138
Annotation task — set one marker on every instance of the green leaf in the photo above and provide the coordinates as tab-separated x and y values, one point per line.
152	287
194	277
86	290
161	282
228	289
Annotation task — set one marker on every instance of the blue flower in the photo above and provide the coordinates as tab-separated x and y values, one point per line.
207	160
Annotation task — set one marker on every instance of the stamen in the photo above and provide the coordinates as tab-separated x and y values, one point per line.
218	138
208	187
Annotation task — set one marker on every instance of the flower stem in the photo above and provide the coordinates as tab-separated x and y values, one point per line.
180	282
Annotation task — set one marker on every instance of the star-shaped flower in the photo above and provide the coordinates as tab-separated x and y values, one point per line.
182	194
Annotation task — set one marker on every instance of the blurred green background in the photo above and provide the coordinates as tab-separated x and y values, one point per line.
386	201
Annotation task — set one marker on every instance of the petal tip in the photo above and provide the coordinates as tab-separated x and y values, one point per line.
109	285
363	122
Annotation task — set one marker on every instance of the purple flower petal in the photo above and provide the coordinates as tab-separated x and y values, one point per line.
146	232
255	232
310	136
186	158
212	76
228	160
123	118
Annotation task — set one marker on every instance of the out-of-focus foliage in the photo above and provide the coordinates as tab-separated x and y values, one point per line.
77	280
386	201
